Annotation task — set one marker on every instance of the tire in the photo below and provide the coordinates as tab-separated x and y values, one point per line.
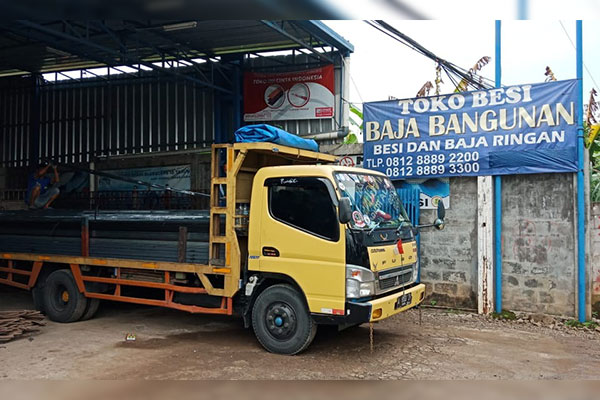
281	320
62	299
90	309
37	294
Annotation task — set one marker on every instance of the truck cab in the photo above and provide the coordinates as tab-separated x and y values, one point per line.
340	238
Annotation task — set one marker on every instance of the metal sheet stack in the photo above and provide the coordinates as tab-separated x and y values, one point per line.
139	235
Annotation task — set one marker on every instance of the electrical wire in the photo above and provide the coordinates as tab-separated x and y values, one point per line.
575	47
450	68
409	11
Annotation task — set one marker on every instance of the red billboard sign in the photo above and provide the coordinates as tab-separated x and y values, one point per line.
306	94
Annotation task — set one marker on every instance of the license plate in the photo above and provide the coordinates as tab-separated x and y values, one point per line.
403	300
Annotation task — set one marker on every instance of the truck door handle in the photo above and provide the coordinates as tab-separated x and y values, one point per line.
270	252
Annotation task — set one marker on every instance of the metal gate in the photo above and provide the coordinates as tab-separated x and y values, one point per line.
411	201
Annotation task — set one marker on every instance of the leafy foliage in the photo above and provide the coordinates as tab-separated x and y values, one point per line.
355	110
594	145
463	84
549	75
595	172
573	323
351	139
505	315
424	91
592	108
356	124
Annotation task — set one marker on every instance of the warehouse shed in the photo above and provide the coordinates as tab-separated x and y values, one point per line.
132	93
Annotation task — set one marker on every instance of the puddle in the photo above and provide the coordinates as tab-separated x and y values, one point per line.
228	337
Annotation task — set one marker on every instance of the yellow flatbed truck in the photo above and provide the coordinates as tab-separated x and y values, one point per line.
295	241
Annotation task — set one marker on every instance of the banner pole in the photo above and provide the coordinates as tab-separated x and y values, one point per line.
498	193
522	9
580	182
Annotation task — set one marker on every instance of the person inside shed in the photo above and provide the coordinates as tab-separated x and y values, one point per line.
42	189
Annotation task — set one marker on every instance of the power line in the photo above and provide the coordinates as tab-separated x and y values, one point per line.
449	67
409	11
463	73
575	47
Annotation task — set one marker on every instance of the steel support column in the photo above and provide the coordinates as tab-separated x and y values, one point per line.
237	94
34	122
581	294
498	193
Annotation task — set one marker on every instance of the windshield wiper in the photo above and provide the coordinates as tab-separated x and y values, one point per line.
378	224
400	226
374	227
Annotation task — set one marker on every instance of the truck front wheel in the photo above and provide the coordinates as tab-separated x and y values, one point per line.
281	321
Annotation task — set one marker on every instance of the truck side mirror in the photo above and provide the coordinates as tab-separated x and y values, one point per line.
441	214
441	210
344	210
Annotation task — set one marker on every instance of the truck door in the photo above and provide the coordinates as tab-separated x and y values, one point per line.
302	238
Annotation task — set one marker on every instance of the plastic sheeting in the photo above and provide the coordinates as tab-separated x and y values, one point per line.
268	133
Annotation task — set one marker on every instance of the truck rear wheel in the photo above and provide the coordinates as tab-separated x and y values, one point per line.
37	294
90	309
62	299
281	321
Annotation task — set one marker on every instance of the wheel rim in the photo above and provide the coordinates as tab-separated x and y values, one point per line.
280	320
61	299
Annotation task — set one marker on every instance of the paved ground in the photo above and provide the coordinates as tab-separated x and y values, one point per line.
172	344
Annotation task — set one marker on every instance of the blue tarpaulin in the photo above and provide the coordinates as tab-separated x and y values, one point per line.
268	133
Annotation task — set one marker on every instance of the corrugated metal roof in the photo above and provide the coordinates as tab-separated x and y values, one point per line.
30	46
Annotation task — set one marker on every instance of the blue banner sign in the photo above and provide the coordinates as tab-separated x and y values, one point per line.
521	129
431	191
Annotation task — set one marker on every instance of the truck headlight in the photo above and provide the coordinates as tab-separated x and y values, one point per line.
415	271
360	282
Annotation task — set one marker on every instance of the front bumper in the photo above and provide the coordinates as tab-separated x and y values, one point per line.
387	304
374	310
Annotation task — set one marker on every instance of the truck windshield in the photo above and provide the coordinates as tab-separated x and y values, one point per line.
374	200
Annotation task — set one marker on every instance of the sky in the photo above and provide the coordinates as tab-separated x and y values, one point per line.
382	67
463	10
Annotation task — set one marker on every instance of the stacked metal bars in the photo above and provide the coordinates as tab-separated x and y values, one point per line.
139	235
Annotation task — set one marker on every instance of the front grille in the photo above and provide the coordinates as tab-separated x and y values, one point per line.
394	278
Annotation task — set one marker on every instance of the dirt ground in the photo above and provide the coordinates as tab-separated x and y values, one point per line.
438	344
